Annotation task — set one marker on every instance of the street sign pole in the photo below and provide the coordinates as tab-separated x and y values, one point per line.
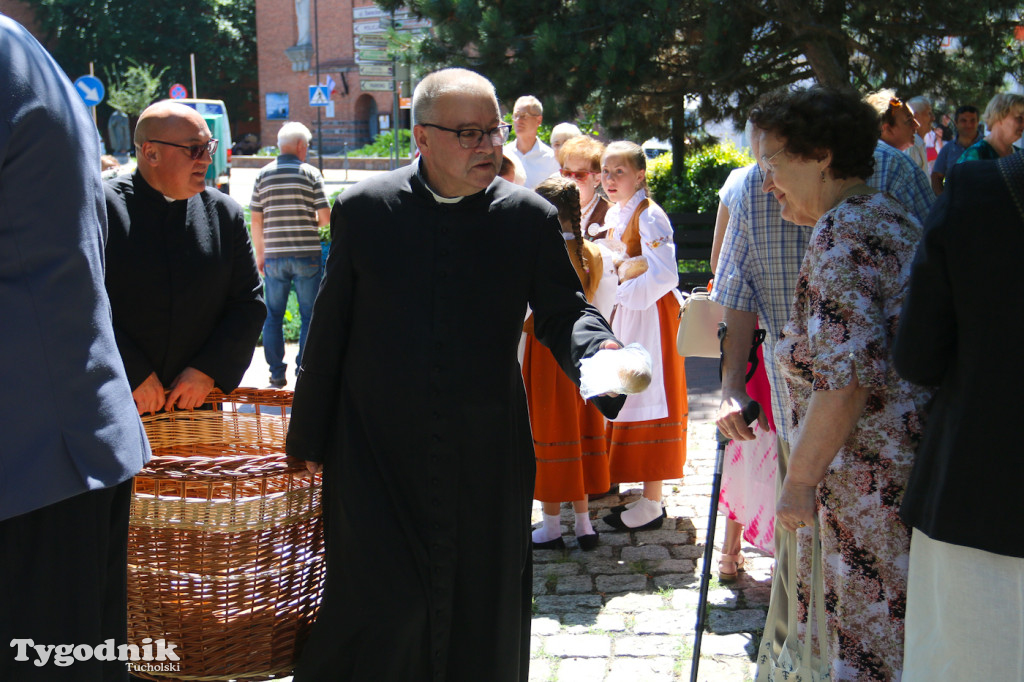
92	72
319	122
394	99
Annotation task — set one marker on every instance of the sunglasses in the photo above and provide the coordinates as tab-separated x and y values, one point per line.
576	175
194	150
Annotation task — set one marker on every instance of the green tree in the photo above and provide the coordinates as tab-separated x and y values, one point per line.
639	63
132	91
116	33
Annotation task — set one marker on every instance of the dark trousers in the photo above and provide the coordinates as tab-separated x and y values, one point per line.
63	570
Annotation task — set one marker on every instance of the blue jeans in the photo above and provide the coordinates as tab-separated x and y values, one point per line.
279	275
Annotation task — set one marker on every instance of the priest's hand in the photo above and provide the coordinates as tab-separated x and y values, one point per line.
189	389
149	396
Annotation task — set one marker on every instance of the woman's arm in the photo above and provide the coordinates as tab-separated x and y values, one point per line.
830	419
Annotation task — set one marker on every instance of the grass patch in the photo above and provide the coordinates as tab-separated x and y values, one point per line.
640	566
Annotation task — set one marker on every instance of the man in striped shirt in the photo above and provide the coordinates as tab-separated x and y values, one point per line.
288	205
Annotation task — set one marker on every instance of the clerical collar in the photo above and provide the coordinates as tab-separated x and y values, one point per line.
422	172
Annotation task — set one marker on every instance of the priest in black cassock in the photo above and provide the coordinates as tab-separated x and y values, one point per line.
411	398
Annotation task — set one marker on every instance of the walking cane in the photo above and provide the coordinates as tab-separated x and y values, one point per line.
750	413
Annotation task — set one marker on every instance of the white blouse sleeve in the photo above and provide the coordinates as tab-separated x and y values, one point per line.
604	297
662	276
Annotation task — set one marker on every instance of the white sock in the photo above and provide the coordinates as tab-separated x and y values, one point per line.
583	525
551	528
642	512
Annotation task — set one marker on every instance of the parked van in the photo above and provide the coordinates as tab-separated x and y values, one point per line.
216	115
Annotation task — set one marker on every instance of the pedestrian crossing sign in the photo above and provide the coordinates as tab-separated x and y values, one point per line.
318	96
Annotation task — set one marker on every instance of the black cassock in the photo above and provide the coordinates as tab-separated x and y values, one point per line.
411	396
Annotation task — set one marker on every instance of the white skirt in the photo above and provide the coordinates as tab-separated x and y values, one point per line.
965	614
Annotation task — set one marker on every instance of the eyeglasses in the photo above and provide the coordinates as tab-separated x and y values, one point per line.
523	114
470	138
576	175
766	161
194	150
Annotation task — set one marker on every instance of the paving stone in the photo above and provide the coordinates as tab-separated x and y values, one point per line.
662	537
567	568
540	670
546	556
582	669
723	597
683	600
568	603
757	596
574	584
578	646
536	644
674	566
724	645
608	567
603	551
664	622
614	539
621	583
545	626
660	669
733	669
649	645
647	553
675	581
723	622
610	622
540	585
691	552
630	603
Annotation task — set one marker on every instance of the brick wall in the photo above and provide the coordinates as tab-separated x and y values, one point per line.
276	31
23	13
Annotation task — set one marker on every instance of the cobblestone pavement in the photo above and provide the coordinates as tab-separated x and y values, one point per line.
627	610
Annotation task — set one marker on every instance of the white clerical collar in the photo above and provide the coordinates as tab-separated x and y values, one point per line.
443	200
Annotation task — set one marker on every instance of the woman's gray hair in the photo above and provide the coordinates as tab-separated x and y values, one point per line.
446	82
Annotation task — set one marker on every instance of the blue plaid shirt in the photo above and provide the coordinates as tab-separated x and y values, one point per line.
762	253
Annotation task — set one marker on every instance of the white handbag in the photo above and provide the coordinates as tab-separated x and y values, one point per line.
699	317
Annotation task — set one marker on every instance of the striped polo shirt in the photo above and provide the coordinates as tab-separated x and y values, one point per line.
288	193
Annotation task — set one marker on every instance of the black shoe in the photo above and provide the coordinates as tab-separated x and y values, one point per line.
588	542
557	543
278	383
614	520
614	490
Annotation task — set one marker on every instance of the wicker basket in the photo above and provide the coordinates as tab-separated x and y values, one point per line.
225	545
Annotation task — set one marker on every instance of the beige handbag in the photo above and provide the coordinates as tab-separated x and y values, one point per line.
698	325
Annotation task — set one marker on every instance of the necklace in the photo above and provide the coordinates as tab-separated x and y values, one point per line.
588	210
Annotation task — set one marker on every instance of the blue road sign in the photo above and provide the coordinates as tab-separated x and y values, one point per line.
318	96
91	90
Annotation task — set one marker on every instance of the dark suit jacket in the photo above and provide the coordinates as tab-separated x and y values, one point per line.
67	420
962	330
182	282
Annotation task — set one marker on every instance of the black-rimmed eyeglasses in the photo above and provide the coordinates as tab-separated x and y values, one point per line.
470	138
194	150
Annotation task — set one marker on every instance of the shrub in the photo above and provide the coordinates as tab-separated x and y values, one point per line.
705	172
384	143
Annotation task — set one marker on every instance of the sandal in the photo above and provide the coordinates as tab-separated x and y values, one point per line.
729	576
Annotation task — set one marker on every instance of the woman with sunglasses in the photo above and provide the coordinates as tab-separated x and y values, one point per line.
580	161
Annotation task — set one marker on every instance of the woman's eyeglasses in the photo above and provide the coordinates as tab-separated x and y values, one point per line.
194	150
576	175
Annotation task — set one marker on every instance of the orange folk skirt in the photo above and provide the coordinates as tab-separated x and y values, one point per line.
655	450
568	433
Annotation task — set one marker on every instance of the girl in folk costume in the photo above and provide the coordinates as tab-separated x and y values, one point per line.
568	433
580	161
647	441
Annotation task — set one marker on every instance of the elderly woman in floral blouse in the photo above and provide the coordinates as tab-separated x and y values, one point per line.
857	422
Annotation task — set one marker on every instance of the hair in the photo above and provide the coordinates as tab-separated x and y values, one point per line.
566	130
816	120
919	103
631	153
965	109
510	164
582	147
1002	105
292	132
564	195
881	102
446	82
532	103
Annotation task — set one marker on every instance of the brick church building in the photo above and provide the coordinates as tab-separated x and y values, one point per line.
352	35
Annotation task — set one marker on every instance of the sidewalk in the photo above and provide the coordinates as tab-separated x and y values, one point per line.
626	611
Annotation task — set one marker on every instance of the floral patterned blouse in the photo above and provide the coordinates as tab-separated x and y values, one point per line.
849	295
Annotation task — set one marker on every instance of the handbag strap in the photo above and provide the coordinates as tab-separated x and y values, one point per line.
816	601
755	341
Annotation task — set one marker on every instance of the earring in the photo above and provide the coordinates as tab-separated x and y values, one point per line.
823	176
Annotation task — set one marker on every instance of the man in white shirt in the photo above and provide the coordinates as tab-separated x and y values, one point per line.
922	110
537	158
